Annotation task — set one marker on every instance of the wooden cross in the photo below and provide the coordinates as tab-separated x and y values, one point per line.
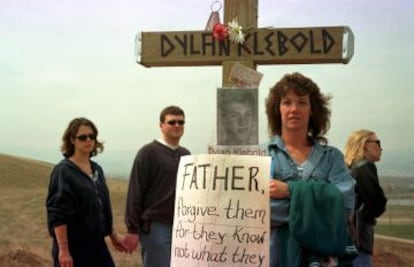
261	46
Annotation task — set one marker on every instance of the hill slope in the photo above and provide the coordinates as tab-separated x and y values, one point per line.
23	172
23	235
24	240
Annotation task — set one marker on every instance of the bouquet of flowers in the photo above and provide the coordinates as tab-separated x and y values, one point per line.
233	31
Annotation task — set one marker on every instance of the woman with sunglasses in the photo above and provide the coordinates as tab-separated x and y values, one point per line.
362	150
79	213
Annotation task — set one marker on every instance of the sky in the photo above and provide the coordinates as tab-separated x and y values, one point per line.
64	59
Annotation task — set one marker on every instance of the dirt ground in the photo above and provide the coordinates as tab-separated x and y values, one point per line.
388	253
22	258
393	252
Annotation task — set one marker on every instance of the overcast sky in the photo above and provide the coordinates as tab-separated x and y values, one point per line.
63	59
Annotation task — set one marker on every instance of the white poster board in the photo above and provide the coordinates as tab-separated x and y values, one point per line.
221	215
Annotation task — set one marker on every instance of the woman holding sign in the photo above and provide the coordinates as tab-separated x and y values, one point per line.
311	189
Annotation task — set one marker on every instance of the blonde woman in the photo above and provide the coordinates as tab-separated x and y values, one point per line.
362	150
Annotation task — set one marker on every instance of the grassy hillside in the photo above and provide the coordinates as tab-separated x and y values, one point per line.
19	172
24	240
23	185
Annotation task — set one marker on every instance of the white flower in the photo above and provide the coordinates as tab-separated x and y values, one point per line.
236	34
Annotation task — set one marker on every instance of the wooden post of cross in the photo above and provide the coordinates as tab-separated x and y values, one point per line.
333	44
246	14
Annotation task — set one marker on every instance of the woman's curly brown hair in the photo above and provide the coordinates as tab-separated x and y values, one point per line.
67	148
301	85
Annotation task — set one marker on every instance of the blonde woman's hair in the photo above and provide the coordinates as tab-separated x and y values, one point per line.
354	148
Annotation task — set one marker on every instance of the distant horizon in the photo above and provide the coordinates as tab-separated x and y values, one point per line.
118	162
68	59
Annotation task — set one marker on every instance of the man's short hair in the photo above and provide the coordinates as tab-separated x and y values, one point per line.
171	110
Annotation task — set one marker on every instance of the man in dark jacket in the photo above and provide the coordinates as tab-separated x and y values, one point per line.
151	191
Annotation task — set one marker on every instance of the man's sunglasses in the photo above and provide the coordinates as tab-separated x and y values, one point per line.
175	122
84	137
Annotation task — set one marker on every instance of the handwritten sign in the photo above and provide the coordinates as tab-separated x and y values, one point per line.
244	77
221	215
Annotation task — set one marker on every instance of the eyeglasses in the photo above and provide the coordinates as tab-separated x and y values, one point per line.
84	137
175	122
378	142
